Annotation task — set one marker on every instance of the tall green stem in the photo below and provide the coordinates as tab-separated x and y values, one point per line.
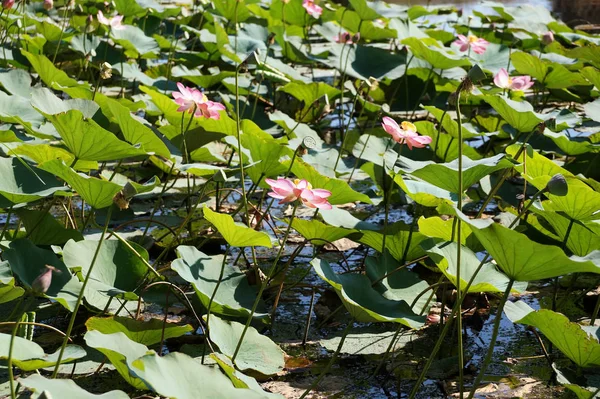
490	352
11	377
461	360
80	297
265	282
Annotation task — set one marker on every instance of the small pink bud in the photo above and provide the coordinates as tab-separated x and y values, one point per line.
42	282
48	5
8	4
547	38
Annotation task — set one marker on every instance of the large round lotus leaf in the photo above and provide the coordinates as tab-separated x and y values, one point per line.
64	389
29	356
147	333
23	183
179	376
257	353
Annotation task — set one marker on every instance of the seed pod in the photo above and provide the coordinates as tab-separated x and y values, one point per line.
558	185
105	71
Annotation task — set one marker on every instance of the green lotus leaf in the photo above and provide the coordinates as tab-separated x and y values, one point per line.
29	356
528	64
319	233
257	353
424	193
578	343
27	262
436	227
97	193
396	283
571	146
8	290
588	385
523	259
341	193
234	297
363	301
117	271
445	175
584	236
148	333
342	218
488	279
592	110
431	51
120	351
21	183
136	132
16	82
87	140
398	238
368	30
308	94
581	201
50	75
138	8
240	380
41	153
519	115
135	42
180	376
43	229
235	234
64	388
365	61
445	146
16	109
266	152
48	103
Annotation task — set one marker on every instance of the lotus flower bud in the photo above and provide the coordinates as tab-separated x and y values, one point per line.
558	185
42	282
8	4
105	71
356	37
548	38
48	5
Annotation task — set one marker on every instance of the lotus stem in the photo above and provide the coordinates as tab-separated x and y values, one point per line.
62	31
563	246
423	92
461	360
490	352
345	136
81	294
265	282
11	377
331	361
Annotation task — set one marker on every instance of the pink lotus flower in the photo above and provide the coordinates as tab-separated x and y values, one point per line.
113	23
316	198
502	80
405	133
193	100
8	4
347	38
287	190
42	283
312	9
547	38
48	5
477	44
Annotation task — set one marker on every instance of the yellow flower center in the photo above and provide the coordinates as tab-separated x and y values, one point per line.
408	126
473	39
510	81
297	181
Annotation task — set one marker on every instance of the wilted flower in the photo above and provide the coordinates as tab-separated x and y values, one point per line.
42	282
286	190
502	80
48	5
346	38
312	9
190	98
105	71
113	23
8	4
405	133
547	38
477	44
